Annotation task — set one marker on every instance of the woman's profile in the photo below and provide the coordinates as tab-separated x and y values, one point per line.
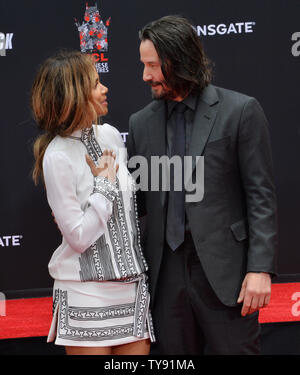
100	292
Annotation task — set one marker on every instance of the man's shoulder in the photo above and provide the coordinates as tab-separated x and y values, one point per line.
233	96
147	111
236	102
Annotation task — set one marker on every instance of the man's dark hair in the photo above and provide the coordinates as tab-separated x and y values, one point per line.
183	62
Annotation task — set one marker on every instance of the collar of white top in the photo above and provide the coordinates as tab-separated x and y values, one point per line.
77	133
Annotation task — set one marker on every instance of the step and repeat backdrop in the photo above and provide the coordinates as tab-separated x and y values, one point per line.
253	44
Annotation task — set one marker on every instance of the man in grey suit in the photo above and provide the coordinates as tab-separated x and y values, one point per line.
211	260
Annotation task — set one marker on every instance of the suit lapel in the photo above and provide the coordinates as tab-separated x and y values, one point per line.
157	129
157	136
205	115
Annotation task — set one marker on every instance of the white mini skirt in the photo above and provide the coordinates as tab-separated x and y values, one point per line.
103	313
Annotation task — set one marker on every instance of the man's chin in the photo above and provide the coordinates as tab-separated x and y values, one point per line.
159	94
155	95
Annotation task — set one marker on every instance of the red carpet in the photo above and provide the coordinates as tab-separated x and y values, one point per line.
28	317
31	317
284	305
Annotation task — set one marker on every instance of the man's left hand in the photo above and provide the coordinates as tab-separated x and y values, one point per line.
255	292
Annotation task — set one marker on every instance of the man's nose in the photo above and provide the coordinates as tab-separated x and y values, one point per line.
146	75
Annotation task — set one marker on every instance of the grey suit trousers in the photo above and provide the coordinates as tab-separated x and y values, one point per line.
190	319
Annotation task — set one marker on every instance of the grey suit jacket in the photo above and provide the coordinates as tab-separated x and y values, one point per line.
234	226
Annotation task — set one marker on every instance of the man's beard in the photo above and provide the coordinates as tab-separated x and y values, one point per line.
164	94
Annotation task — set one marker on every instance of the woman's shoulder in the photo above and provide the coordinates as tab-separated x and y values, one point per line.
108	128
110	131
58	149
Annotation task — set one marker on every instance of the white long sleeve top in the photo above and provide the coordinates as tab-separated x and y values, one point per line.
97	219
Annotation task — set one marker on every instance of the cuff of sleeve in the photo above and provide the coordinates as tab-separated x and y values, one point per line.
105	187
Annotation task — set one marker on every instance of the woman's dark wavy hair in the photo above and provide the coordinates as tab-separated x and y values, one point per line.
184	64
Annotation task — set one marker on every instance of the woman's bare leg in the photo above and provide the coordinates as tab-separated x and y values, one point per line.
84	350
141	347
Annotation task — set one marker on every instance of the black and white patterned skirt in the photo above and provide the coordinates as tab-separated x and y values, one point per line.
100	313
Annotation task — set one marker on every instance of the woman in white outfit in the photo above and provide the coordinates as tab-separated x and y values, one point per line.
100	293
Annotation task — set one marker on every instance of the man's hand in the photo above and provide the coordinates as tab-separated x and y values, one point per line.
255	292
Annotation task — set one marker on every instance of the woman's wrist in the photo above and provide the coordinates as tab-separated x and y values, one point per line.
103	186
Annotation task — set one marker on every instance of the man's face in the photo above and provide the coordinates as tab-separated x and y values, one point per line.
152	70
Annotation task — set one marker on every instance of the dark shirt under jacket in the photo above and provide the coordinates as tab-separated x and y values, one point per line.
191	103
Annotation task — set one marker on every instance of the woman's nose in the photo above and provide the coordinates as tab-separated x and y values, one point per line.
104	89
